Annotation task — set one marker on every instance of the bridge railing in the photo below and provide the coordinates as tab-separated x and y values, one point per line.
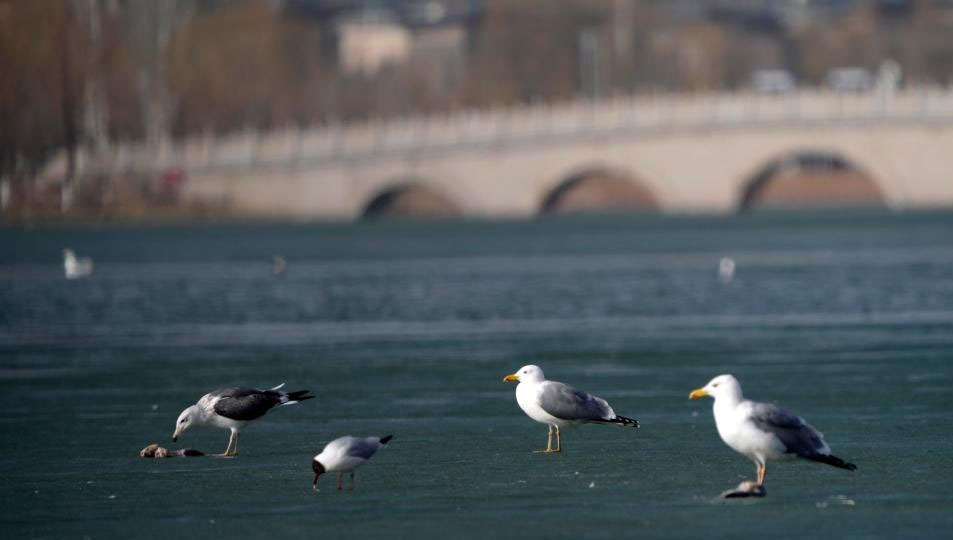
543	123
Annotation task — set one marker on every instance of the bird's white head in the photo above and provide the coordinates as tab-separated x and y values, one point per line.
185	420
721	387
529	373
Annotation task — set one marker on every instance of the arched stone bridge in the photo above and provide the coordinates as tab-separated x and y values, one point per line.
681	153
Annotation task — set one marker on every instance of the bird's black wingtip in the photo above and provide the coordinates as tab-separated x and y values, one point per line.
624	421
385	440
629	422
833	461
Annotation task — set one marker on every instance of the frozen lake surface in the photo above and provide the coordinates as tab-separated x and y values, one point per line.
407	329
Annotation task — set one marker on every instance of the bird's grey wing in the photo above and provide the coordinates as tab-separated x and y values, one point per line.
796	434
363	447
244	403
568	403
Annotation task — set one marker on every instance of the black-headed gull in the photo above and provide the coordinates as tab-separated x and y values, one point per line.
345	454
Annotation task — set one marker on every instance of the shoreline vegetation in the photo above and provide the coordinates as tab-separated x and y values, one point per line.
85	75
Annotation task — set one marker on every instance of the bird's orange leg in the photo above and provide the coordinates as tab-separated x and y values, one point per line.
232	449
559	441
340	480
762	471
549	444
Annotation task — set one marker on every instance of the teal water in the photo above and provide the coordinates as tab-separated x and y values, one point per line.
408	329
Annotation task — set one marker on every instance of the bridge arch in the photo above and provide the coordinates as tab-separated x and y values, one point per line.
599	189
409	198
810	178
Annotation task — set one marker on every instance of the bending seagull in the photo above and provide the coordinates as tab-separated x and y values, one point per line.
345	454
232	408
763	431
559	405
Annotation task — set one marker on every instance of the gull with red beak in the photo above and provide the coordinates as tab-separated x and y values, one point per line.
559	405
344	454
232	408
763	431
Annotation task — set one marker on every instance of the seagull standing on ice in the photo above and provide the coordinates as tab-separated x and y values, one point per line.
763	431
726	269
278	265
232	408
345	454
75	267
559	405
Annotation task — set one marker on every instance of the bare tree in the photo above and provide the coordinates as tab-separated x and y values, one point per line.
150	26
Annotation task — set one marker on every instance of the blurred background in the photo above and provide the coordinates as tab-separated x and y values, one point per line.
191	194
338	109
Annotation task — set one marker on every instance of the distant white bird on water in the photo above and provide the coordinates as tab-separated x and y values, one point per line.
75	267
726	269
763	431
278	265
559	405
232	408
345	454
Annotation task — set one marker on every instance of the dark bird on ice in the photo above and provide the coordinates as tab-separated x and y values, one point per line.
232	408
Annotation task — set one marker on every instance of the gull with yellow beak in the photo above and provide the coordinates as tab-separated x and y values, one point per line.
763	431
559	405
232	408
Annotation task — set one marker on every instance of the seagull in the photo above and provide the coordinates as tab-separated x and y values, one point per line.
763	431
345	454
278	265
726	269
559	405
76	267
232	408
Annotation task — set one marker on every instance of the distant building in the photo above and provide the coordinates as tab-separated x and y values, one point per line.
370	35
371	40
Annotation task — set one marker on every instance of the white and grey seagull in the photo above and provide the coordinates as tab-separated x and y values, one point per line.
76	267
345	454
559	405
232	408
763	431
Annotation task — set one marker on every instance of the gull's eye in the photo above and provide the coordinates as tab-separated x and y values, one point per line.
714	385
182	421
